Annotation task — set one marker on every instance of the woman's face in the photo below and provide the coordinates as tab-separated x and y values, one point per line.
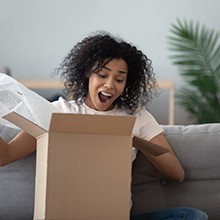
106	85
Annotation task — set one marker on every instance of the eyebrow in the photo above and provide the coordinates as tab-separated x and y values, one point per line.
120	71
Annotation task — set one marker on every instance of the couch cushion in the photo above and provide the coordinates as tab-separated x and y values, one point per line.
16	185
198	148
17	181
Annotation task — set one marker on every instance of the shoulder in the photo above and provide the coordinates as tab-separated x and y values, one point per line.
144	116
146	125
66	106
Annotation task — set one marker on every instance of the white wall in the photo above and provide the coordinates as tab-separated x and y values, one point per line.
36	35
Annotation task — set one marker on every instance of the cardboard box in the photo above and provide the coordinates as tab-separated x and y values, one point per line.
83	168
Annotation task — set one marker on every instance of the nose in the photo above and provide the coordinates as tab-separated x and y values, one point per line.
109	84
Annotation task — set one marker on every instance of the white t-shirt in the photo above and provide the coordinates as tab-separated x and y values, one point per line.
145	125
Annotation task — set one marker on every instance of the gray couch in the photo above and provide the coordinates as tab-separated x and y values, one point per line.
197	147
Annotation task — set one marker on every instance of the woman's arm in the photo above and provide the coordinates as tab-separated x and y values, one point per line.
167	164
22	145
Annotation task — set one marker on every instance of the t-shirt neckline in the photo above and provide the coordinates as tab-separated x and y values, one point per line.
96	111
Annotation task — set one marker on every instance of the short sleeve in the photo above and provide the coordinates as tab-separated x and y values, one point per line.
63	106
145	125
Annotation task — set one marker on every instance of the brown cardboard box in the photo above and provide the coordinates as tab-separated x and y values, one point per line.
83	166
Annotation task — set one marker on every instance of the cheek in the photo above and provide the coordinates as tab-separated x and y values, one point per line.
92	83
121	88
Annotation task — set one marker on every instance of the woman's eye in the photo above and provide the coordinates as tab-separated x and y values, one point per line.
101	75
119	80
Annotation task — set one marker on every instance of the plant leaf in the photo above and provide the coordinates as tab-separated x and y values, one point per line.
196	51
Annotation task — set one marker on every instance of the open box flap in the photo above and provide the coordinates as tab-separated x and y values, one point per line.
92	124
25	124
148	147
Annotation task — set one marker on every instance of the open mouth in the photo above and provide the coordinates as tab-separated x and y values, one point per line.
105	97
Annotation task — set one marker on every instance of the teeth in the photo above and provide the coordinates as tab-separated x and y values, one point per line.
106	94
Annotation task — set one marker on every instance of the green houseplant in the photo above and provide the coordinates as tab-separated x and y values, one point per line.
196	51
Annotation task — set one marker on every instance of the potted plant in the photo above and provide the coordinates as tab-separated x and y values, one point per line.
196	51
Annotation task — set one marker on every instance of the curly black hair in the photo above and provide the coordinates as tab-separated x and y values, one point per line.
97	50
